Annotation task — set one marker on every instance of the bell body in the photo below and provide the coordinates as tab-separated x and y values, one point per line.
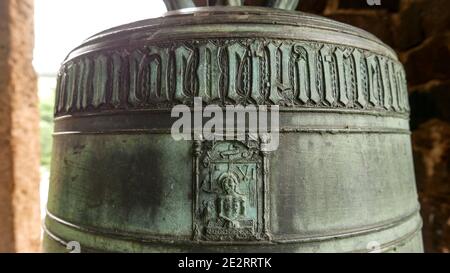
341	180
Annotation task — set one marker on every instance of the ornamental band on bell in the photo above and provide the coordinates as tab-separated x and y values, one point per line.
247	71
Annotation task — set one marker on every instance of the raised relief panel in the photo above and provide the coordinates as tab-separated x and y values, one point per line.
403	89
393	84
385	82
373	78
138	68
236	61
100	80
301	74
327	62
279	58
117	78
357	59
183	67
208	72
307	73
343	74
62	87
312	68
159	74
84	69
257	54
398	80
229	191
70	86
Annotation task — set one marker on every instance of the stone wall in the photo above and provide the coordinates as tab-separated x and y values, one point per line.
19	130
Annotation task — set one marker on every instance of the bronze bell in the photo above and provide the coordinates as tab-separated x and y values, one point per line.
341	179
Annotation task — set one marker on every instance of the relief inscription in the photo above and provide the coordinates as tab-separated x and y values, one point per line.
229	191
246	71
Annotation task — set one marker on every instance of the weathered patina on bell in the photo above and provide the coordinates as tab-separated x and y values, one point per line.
341	180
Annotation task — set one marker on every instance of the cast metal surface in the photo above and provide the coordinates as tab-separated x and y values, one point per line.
342	179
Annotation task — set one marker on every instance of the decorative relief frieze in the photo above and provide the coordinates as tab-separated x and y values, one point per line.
286	73
230	191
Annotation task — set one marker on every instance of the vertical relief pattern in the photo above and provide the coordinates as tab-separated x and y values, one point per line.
286	73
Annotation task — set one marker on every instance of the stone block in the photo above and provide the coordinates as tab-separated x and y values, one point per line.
19	131
407	26
429	61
